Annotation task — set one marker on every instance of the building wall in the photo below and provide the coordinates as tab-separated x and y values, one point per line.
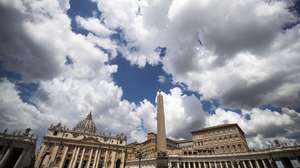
216	140
66	148
17	150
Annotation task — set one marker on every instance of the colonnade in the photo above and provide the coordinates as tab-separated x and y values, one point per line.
257	163
79	156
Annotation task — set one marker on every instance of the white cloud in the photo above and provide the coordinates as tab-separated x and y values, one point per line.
231	50
16	114
93	25
261	126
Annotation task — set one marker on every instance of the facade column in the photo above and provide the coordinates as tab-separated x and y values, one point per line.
244	163
194	164
184	164
257	164
105	158
204	163
226	163
5	157
251	164
72	158
122	159
19	161
178	165
199	164
232	165
189	164
209	164
53	154
221	163
90	157
95	158
99	158
75	158
113	159
81	158
39	156
65	150
216	166
264	163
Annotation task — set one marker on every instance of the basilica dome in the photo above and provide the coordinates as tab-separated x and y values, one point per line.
87	125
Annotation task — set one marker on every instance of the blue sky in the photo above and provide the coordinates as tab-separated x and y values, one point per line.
81	55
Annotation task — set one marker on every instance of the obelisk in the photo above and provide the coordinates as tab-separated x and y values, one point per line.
161	129
161	140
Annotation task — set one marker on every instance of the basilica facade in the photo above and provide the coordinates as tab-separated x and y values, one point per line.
81	147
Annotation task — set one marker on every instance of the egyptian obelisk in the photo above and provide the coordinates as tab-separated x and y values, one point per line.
162	159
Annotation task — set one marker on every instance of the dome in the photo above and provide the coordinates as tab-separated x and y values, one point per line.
87	125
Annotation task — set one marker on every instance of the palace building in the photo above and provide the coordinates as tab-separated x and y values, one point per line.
222	146
81	147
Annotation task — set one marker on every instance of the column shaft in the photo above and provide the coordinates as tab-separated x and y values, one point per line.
263	161
95	158
257	164
5	157
65	150
226	163
113	159
39	156
81	158
19	161
90	157
244	163
105	158
72	158
75	158
251	164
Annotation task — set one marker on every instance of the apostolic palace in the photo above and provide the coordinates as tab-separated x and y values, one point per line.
222	146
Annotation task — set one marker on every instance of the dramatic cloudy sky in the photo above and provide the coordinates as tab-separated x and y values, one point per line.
229	61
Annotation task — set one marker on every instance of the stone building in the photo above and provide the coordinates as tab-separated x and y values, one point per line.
81	147
227	138
17	149
148	147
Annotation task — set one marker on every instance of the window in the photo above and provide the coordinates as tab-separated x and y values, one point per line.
55	133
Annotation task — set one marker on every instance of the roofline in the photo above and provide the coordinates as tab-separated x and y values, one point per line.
218	126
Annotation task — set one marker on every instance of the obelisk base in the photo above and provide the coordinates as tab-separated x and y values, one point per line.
162	160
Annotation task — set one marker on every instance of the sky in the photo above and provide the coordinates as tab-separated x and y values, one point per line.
215	62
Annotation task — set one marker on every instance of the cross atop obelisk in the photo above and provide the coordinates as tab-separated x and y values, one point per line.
161	129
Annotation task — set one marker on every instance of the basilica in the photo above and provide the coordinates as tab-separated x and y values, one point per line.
81	146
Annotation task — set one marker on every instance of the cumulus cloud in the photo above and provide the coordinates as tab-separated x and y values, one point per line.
93	25
261	126
233	51
65	90
16	114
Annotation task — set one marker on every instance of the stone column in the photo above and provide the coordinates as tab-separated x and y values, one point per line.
244	163
232	165
264	163
5	157
178	165
18	164
113	159
251	164
226	163
53	154
216	166
75	158
257	164
65	150
184	164
123	159
81	158
105	158
95	158
194	164
204	163
39	156
221	163
199	164
72	158
90	157
98	158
